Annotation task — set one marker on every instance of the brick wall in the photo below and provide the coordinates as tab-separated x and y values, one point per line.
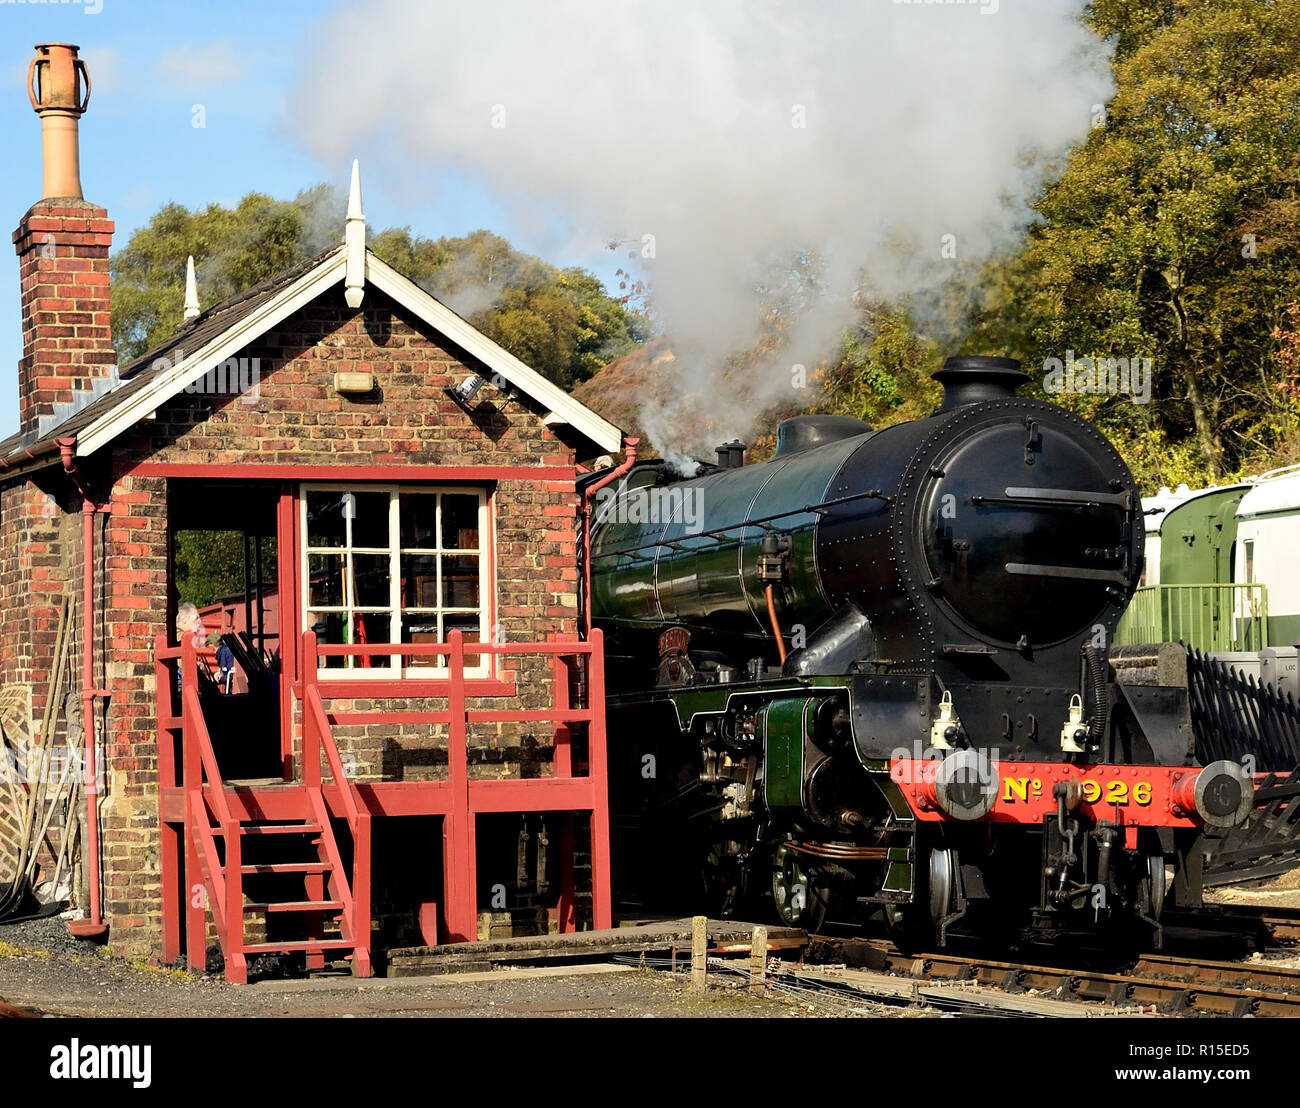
298	419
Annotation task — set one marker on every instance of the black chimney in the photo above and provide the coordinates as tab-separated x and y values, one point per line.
972	378
731	455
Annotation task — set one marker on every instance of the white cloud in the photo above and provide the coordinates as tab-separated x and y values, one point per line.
192	67
104	65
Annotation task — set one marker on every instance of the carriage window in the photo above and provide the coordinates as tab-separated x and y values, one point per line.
1248	549
394	565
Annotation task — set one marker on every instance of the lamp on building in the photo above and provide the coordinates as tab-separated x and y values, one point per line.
465	392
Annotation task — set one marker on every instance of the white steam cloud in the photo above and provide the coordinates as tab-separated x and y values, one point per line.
722	140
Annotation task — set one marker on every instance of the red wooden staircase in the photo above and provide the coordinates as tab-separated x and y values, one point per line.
230	846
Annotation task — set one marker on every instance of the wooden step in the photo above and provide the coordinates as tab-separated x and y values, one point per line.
289	867
306	944
258	829
295	906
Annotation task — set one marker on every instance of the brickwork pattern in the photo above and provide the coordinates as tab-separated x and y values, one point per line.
62	248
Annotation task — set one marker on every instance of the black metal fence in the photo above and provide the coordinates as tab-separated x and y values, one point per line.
1235	717
1238	718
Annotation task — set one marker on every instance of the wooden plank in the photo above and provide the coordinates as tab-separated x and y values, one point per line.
966	996
454	957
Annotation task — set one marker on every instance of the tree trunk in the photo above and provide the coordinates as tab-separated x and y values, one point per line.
1211	449
1210	444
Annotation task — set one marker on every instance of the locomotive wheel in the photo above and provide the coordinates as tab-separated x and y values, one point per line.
915	926
1152	886
800	899
720	882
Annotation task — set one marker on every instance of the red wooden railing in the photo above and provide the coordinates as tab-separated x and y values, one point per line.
462	800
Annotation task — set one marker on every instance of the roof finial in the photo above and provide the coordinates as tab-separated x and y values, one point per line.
354	239
191	290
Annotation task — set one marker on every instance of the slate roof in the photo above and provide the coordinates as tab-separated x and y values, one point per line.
139	374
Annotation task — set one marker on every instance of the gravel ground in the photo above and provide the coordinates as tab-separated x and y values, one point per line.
1279	892
41	967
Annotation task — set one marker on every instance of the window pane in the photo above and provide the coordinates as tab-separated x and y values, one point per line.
459	522
419	581
460	581
329	629
371	627
370	520
325	525
418	519
422	629
467	623
372	578
326	576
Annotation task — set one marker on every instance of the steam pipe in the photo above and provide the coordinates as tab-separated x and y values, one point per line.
629	454
93	927
776	624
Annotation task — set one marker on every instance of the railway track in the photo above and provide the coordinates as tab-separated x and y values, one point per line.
1155	984
1283	924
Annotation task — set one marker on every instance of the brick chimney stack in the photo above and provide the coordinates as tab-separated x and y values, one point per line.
62	245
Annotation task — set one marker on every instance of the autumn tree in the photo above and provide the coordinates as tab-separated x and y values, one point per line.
1174	233
560	322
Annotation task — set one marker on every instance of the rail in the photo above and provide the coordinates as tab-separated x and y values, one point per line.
1208	617
200	762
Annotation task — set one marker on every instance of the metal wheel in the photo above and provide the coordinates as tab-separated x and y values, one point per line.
800	899
915	926
1154	884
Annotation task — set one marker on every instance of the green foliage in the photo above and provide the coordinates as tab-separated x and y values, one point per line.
233	250
209	565
560	322
1143	248
883	374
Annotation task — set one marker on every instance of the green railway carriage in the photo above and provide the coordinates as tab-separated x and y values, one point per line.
1187	593
1268	551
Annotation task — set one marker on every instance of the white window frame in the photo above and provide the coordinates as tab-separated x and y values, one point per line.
483	666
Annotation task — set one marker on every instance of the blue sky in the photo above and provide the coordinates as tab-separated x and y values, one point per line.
151	62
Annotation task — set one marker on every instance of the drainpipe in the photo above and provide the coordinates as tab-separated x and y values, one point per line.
629	454
94	927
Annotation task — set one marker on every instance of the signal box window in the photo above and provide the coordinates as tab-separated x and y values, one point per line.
396	564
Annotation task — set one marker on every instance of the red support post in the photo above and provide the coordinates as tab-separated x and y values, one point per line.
236	966
602	914
169	843
361	894
458	827
195	893
311	738
566	910
286	532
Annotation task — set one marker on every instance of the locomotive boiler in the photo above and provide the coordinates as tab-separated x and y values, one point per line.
873	672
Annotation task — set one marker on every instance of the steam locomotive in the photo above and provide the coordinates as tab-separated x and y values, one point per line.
872	673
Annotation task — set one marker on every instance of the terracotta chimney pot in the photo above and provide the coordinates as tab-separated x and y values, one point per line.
55	81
